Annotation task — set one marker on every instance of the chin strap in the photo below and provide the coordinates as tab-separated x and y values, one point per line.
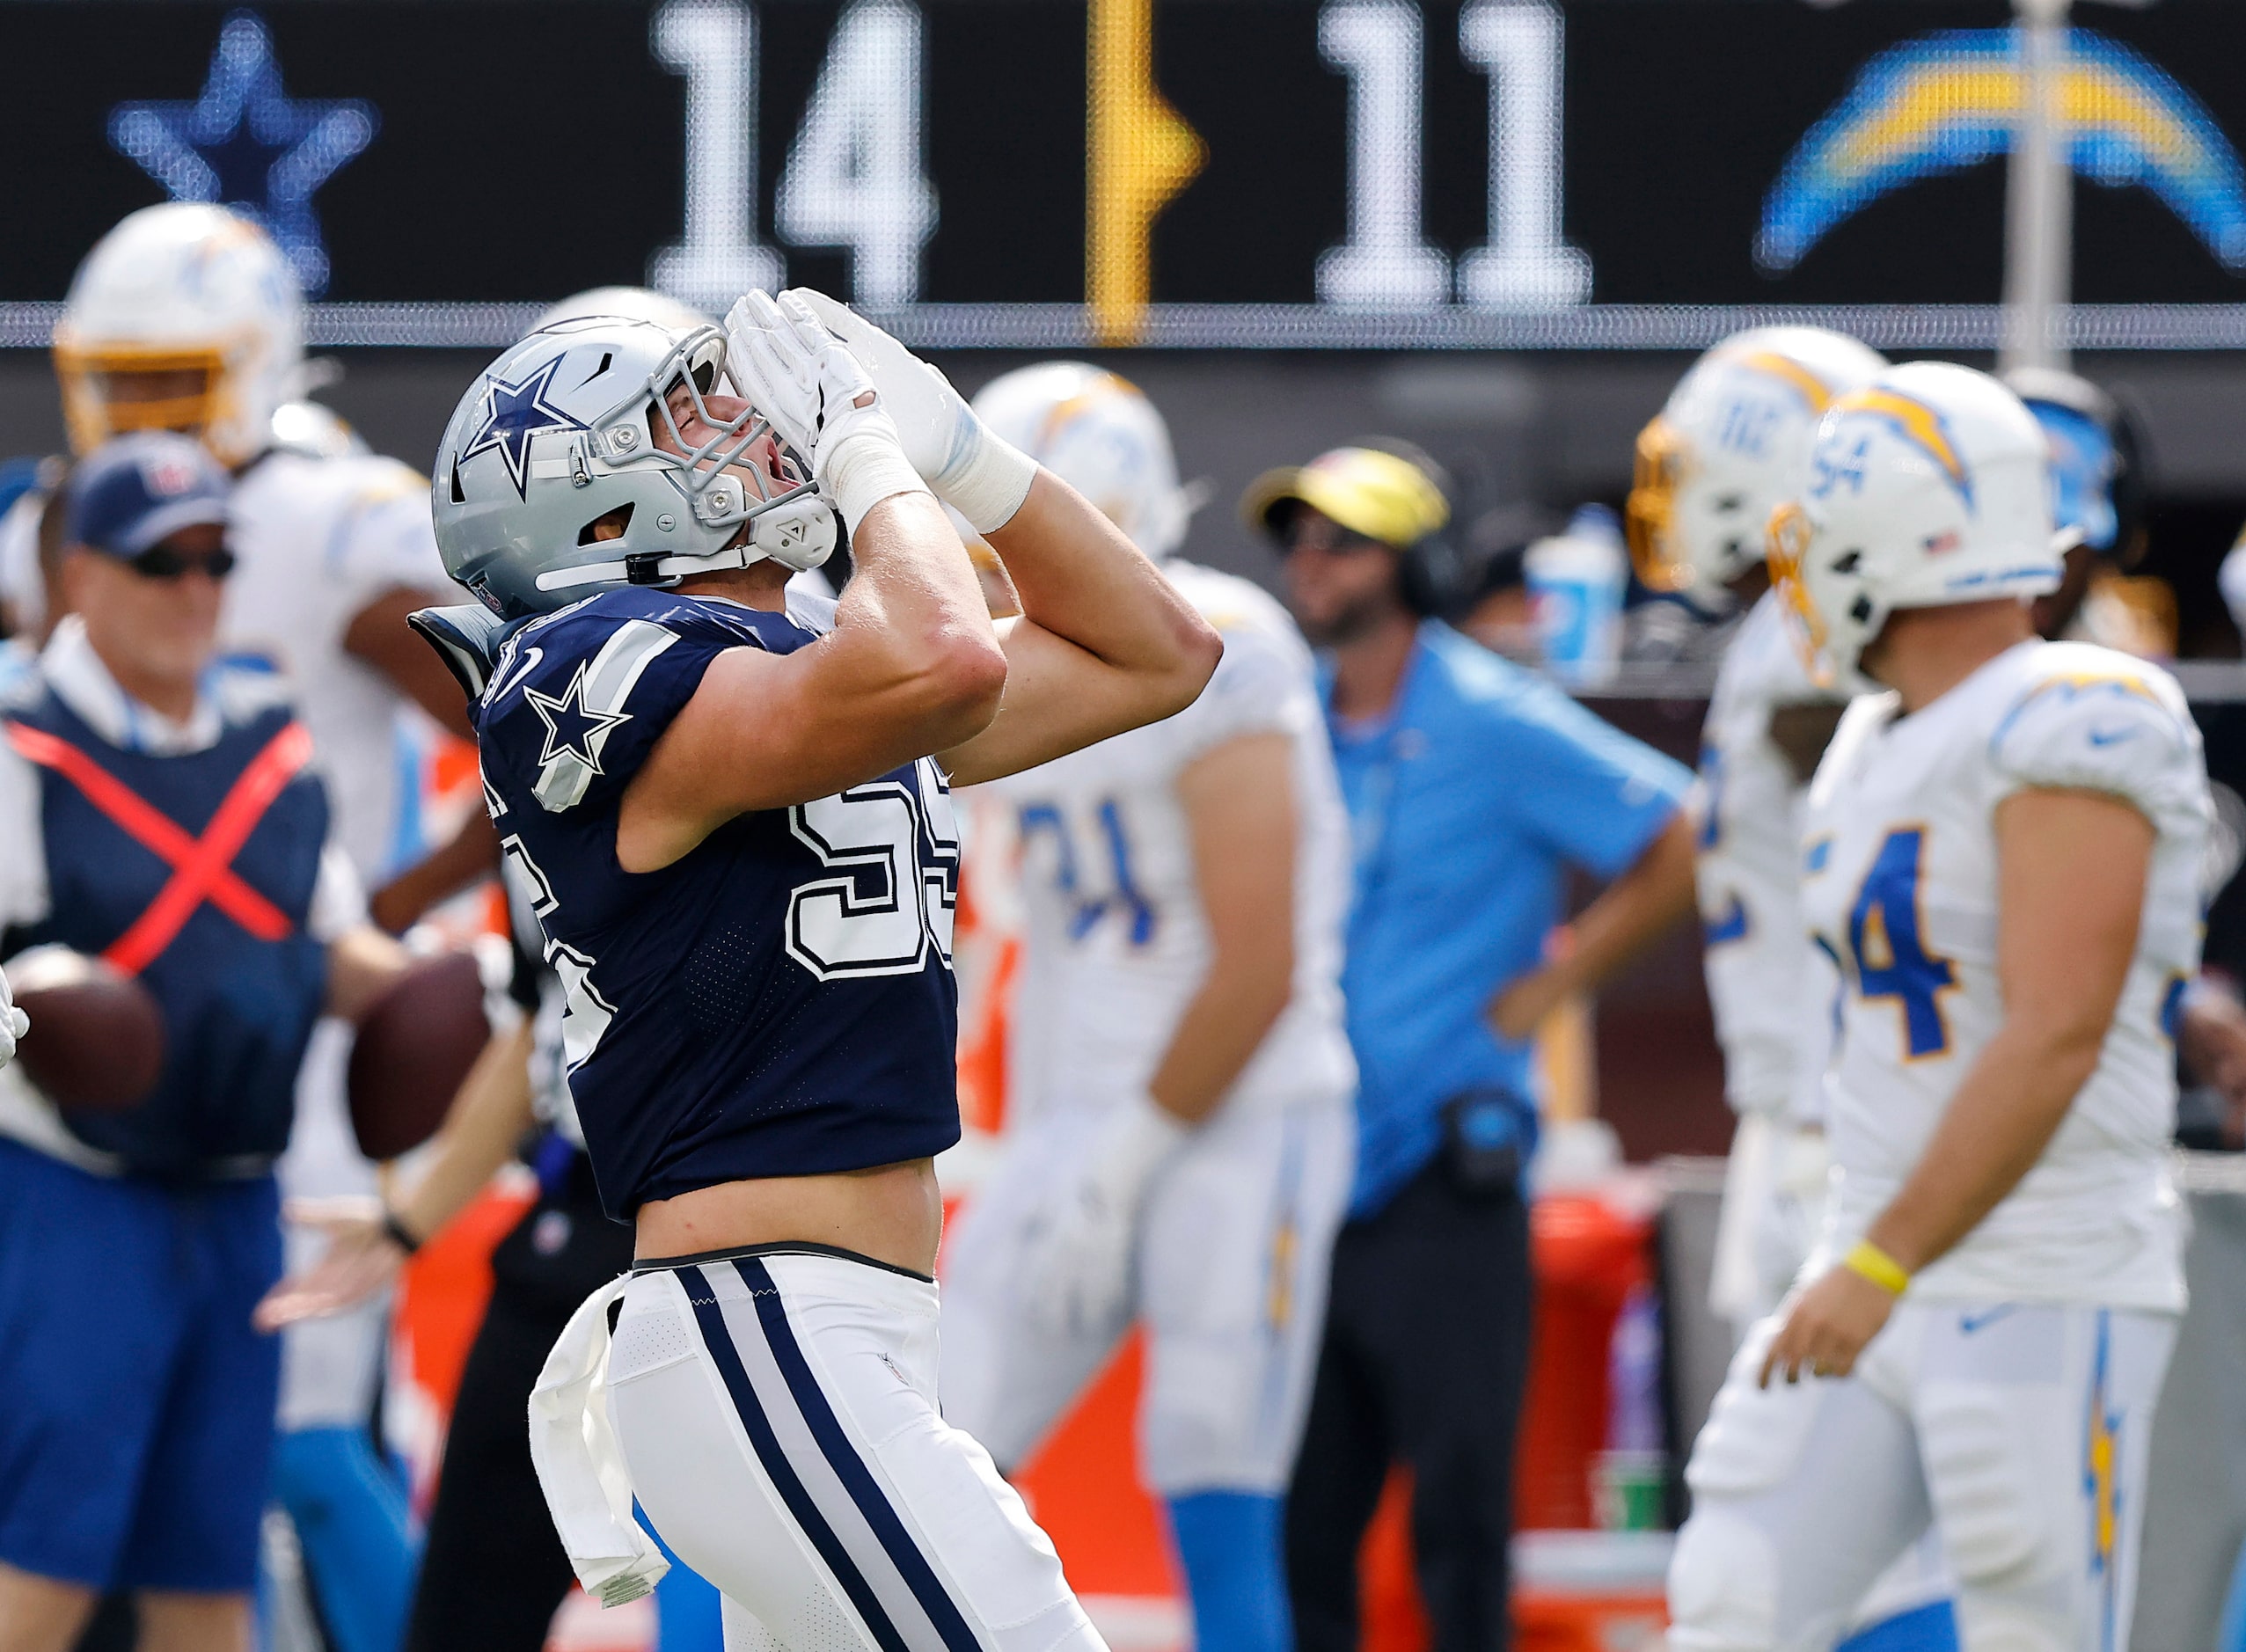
799	533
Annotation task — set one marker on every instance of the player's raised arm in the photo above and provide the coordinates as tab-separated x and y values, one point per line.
1103	643
912	665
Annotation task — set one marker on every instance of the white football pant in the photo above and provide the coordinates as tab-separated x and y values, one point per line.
777	1411
1774	1183
1232	1264
2019	1432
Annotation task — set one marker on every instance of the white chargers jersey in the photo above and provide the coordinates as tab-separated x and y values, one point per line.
1770	986
318	539
1116	942
1901	883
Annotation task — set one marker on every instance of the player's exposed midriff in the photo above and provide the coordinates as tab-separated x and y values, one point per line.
891	1213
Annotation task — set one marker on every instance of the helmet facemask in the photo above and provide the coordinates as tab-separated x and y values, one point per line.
1650	512
205	403
719	473
1789	541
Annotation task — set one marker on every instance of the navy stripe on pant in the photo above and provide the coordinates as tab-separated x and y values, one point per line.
828	1490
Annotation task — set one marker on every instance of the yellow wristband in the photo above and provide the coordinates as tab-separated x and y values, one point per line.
1875	1264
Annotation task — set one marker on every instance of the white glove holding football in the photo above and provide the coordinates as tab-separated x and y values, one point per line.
1077	1266
979	475
819	400
13	1024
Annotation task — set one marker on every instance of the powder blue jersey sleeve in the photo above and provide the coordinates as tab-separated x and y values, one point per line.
1589	792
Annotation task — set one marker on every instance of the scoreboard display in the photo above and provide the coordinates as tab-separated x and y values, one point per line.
1201	173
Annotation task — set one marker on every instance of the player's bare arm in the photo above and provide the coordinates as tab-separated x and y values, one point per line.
912	666
379	636
362	964
1630	914
2071	869
443	871
1240	805
1103	643
480	1133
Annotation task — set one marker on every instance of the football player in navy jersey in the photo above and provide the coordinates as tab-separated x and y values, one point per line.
738	835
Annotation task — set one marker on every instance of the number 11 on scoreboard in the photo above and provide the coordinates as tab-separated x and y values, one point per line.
1386	263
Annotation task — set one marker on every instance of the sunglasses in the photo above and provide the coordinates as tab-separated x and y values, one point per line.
161	562
1345	545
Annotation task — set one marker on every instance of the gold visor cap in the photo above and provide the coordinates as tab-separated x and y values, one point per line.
1372	493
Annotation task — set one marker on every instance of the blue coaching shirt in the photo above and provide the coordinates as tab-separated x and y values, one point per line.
776	1002
1467	805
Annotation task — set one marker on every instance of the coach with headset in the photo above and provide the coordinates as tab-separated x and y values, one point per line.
1474	787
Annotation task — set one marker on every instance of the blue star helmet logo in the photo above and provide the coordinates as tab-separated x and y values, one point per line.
513	413
574	729
246	144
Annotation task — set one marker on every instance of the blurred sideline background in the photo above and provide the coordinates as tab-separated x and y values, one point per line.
1499	230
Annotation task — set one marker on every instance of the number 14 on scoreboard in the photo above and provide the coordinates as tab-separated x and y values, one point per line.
852	177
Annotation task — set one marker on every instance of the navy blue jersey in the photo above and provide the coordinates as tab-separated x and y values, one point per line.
778	1002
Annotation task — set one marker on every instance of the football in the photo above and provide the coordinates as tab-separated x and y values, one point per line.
96	1043
414	1049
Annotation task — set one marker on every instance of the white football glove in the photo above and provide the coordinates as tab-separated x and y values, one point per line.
13	1024
819	400
978	474
1793	1209
1076	1278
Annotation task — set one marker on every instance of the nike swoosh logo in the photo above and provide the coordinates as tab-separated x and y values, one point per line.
499	691
2112	736
1969	1323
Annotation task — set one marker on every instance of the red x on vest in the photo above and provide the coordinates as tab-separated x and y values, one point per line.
201	867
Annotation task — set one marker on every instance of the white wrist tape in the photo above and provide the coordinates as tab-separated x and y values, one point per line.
988	482
862	471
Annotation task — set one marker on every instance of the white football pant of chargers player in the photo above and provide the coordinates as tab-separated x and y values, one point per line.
2001	850
1179	1119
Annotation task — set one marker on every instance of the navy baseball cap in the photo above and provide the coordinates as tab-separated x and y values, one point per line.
137	490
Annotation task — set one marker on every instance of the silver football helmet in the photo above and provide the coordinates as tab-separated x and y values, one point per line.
566	470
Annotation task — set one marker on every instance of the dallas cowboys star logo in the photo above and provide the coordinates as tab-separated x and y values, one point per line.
513	413
573	727
246	144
